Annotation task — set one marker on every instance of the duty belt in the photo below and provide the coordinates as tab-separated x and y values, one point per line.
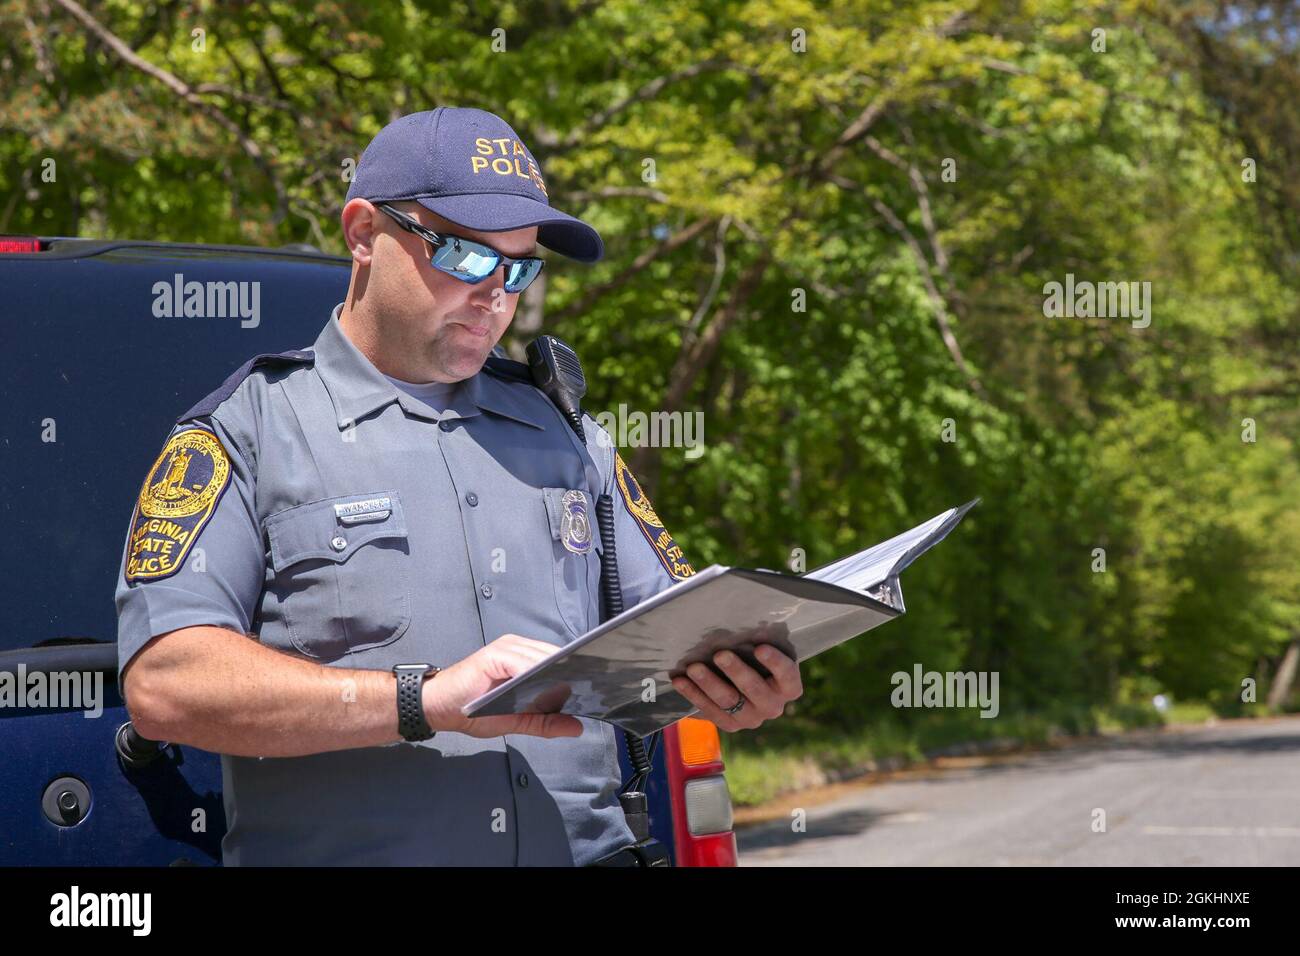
649	853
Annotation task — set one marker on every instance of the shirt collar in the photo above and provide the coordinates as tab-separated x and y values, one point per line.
357	388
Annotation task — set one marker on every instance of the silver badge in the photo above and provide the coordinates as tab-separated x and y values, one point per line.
575	526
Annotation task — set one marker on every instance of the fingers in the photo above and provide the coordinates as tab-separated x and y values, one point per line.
710	710
717	690
785	679
765	698
506	659
528	645
760	697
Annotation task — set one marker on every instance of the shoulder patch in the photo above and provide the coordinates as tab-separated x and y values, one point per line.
639	506
178	496
208	405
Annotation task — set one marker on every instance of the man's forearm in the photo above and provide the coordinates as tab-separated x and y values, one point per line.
212	688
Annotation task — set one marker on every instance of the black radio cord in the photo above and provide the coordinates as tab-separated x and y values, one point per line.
612	592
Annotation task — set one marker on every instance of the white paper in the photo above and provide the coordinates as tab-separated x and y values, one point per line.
866	569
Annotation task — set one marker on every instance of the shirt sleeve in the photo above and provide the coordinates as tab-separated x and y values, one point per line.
193	553
649	559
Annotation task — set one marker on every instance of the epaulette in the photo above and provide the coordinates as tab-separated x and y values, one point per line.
208	405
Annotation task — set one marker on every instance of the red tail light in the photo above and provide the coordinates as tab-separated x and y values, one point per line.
701	804
19	244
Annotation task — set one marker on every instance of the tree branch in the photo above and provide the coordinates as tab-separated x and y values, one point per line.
556	143
719	267
937	301
594	293
185	92
694	358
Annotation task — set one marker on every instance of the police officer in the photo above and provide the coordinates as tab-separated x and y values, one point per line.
342	545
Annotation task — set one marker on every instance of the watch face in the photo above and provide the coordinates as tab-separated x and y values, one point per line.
414	668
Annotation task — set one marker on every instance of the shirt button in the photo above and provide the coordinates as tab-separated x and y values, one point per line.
523	780
487	590
446	426
472	499
338	542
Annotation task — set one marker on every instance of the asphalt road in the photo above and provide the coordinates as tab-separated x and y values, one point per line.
1227	794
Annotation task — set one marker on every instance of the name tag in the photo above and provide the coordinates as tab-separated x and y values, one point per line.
359	512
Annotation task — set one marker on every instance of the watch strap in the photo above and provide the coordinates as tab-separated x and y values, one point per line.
411	722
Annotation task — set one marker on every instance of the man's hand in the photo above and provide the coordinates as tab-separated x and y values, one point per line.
466	680
765	698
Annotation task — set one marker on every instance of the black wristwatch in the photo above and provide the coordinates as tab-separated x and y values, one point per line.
411	723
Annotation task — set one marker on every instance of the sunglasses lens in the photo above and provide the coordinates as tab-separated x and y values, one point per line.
521	274
466	260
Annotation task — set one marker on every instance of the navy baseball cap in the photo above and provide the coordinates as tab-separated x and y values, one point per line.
469	166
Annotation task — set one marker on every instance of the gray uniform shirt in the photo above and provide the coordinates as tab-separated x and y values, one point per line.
311	504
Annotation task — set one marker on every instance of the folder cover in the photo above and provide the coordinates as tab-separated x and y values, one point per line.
621	671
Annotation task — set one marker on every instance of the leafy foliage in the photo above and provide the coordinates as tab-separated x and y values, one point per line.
914	177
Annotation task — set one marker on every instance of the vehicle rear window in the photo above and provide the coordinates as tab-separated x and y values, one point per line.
93	361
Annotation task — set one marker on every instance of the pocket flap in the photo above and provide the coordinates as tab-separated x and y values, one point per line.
333	528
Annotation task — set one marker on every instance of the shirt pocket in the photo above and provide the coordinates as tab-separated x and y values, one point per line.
342	568
576	550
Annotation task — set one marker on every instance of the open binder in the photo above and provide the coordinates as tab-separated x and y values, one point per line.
621	671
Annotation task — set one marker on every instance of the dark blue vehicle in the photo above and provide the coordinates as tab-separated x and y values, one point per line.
93	379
